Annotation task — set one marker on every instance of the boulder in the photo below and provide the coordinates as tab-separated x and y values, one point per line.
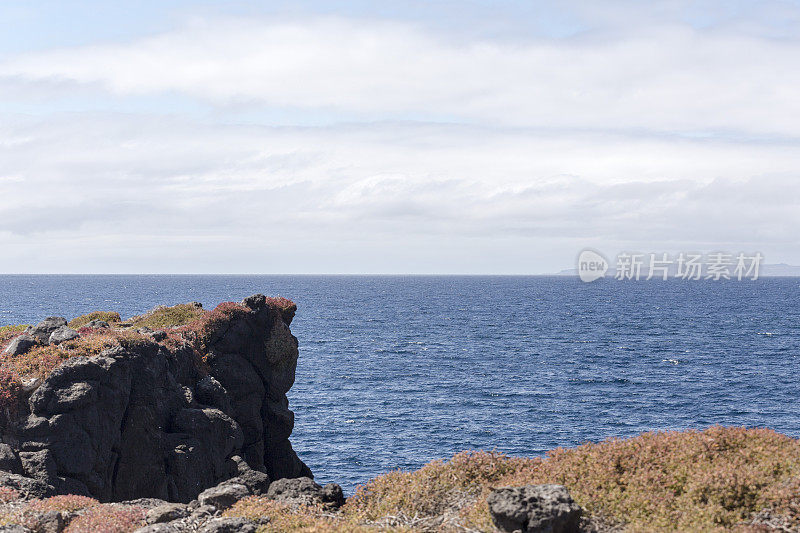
20	345
305	491
228	525
97	324
9	460
52	522
333	494
62	334
159	528
167	513
42	331
28	488
257	482
223	495
534	509
14	528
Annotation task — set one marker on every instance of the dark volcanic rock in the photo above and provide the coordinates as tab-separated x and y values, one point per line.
305	491
9	460
534	509
333	494
223	495
166	513
20	345
27	487
159	528
144	420
62	334
228	525
42	331
14	528
257	482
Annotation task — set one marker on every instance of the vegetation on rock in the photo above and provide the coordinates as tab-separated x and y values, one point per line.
7	333
183	324
167	317
43	359
109	518
70	503
718	479
107	316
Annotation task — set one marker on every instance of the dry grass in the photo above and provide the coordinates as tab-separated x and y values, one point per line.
8	333
167	317
69	503
108	518
281	518
672	481
109	316
40	360
711	480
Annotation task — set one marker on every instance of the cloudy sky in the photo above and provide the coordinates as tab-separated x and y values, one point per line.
468	136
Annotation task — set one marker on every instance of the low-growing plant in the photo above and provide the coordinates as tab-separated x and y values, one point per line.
165	317
210	323
10	389
108	316
40	360
277	517
108	518
668	481
18	516
281	303
9	333
7	494
69	502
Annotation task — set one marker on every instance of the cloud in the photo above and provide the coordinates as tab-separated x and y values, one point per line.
657	78
170	186
437	152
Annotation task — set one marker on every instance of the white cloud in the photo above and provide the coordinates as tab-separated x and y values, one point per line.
176	194
542	147
657	78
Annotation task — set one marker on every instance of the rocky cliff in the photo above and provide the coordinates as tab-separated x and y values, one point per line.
122	411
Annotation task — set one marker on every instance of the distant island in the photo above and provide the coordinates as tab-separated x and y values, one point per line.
777	270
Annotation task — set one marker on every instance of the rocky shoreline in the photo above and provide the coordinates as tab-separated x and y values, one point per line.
178	420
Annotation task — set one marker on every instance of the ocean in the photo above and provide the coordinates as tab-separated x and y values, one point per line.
396	371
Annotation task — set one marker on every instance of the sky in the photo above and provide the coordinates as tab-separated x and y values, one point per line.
413	137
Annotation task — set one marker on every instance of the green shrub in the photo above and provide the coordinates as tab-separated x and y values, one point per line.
109	316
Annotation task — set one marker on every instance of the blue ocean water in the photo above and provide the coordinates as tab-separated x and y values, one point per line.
397	371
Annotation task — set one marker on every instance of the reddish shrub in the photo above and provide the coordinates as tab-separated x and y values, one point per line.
10	389
9	333
7	494
69	502
108	518
206	327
